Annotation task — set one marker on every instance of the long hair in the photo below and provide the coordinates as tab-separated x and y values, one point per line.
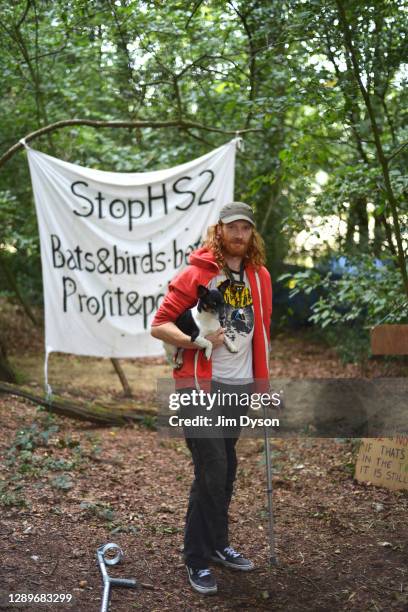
254	256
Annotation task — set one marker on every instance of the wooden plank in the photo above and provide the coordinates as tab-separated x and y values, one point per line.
389	340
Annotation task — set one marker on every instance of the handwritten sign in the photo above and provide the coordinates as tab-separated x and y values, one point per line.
111	242
383	462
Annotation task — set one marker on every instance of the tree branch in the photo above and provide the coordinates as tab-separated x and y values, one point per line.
376	133
398	150
195	9
117	124
24	15
252	59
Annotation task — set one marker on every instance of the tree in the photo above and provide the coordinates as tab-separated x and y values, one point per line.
294	70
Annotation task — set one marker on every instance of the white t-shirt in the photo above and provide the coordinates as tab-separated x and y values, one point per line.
238	322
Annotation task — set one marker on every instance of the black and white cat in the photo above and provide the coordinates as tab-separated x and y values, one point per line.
199	321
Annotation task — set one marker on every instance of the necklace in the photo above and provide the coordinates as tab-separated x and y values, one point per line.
234	283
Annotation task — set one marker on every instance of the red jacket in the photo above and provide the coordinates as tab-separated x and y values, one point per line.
182	295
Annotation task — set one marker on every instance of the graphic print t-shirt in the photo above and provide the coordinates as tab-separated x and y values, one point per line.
238	322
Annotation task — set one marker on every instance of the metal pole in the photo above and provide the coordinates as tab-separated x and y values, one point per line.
273	560
107	580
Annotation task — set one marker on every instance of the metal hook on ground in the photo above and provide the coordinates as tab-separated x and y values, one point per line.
107	580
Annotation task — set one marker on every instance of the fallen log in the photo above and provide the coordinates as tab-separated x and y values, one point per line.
107	414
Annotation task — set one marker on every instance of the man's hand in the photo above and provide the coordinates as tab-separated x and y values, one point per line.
216	338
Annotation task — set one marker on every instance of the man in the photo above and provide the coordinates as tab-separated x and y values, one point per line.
233	249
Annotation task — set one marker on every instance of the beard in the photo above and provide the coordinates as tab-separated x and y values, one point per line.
235	247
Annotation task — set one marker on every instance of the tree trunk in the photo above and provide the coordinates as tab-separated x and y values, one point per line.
108	414
362	215
376	132
6	371
378	237
357	217
351	227
12	283
122	377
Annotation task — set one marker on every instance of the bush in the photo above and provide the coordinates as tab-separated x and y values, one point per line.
352	296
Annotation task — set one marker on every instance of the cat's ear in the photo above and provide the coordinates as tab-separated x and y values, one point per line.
224	285
202	291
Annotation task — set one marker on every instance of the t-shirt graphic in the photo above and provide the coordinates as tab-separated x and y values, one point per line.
238	321
238	316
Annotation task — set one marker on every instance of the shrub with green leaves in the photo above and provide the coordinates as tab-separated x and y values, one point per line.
367	293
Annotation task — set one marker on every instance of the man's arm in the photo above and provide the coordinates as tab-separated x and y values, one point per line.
173	305
169	332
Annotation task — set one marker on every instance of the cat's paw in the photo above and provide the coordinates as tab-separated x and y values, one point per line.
230	345
204	344
171	352
178	362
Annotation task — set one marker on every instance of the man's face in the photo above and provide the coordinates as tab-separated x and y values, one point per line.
236	237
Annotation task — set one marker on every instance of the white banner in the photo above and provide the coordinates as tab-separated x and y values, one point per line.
111	242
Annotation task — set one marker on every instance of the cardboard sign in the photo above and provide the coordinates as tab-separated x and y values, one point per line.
383	462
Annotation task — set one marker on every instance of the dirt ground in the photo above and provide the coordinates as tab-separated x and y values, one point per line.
67	487
341	545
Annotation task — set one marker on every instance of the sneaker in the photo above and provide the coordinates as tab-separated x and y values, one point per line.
202	580
231	558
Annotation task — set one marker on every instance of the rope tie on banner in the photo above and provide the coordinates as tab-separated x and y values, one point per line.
23	142
240	142
48	389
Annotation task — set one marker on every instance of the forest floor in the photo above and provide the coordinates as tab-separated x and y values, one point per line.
66	487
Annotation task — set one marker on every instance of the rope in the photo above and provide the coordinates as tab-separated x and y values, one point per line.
48	389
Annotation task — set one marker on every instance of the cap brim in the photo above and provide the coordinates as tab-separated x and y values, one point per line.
238	217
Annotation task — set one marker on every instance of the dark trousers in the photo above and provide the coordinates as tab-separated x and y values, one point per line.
215	467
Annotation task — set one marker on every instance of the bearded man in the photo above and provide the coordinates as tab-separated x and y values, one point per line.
233	250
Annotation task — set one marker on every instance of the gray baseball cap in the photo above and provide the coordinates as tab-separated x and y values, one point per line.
236	211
